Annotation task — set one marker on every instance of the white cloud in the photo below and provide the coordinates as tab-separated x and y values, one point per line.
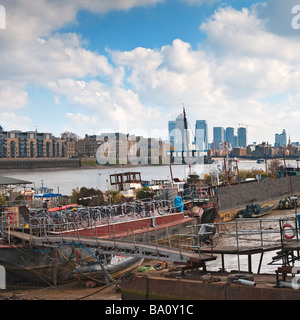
12	97
199	2
11	121
237	71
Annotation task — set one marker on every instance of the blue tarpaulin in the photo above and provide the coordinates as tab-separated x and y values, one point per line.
178	203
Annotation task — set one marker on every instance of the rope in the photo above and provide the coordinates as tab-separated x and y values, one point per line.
91	294
79	245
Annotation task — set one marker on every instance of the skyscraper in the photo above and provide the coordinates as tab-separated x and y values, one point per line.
229	137
280	139
218	137
201	136
242	137
177	134
218	134
172	126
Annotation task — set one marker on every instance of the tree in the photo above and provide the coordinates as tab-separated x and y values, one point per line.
116	197
69	136
273	167
144	193
88	197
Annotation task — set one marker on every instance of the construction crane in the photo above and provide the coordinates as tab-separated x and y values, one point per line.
242	124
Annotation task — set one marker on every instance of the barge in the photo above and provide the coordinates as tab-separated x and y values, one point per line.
166	285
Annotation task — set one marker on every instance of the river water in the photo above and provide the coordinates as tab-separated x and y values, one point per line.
64	180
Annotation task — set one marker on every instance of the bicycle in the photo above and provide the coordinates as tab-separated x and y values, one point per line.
162	207
140	209
124	209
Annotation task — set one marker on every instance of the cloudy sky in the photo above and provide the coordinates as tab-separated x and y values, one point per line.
92	66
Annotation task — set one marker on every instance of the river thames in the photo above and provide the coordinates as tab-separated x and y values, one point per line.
65	180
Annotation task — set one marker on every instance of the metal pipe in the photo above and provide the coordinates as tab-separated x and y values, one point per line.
290	285
246	282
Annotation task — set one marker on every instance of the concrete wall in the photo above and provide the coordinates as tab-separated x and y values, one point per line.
39	163
235	196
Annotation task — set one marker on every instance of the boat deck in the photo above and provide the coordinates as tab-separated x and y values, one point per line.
167	284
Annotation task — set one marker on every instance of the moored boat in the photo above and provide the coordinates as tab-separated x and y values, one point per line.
111	267
255	210
287	203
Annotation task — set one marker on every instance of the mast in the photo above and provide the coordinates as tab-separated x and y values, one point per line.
187	141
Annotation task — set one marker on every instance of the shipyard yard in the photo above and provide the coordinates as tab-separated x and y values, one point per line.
112	291
70	291
186	241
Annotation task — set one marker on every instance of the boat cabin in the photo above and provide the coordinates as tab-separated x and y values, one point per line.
125	181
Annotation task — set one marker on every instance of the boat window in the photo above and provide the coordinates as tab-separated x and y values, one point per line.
126	177
112	179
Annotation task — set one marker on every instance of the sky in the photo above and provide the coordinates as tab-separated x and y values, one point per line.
94	66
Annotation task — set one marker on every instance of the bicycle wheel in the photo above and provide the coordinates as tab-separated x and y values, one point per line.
140	210
121	211
85	219
160	208
129	210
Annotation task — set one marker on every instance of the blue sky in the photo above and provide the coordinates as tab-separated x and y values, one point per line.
129	65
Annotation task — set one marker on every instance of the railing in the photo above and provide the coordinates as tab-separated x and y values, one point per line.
44	222
244	237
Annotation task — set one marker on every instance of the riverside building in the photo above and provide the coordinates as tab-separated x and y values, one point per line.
30	145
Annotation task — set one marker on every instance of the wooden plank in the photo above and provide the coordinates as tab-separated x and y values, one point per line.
19	235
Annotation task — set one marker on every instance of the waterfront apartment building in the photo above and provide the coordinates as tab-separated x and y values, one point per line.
87	146
30	145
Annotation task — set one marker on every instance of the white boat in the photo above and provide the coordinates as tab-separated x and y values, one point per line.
126	182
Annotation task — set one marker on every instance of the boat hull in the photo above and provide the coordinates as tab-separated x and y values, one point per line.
261	212
25	266
116	268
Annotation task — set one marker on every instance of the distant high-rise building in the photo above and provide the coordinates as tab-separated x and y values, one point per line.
180	139
280	139
201	136
218	137
230	137
242	137
218	134
172	126
177	134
